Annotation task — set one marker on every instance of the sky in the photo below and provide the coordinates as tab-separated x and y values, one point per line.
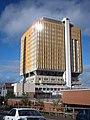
16	16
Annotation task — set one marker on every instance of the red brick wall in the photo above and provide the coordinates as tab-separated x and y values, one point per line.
13	102
80	97
46	106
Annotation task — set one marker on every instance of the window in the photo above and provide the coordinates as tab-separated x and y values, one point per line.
58	89
12	112
51	89
28	113
55	89
40	88
47	88
36	88
45	78
52	79
44	88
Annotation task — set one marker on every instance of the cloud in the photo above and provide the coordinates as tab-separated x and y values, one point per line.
16	18
9	71
85	76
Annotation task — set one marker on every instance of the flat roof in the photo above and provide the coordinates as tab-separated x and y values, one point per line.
76	97
52	20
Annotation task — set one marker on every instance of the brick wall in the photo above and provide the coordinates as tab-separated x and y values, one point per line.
79	97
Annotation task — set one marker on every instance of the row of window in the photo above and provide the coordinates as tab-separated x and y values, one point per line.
51	79
48	89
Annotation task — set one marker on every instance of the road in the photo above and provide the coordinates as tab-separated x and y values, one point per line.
1	116
47	118
57	118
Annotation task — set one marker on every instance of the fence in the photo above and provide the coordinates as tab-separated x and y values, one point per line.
70	112
51	109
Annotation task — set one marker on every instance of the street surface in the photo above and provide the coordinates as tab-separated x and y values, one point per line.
56	118
47	118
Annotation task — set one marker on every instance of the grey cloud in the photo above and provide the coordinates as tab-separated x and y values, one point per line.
85	76
9	71
87	68
16	18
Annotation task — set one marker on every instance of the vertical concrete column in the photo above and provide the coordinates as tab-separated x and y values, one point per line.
35	76
67	52
23	81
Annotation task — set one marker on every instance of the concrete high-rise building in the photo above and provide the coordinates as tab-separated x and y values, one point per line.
51	56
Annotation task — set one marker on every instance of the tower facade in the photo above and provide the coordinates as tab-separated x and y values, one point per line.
51	55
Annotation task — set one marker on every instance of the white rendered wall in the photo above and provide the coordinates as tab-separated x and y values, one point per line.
67	52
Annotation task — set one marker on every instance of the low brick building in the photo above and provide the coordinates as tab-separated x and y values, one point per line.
76	97
73	98
45	106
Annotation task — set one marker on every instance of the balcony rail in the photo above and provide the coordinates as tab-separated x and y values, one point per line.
50	82
76	82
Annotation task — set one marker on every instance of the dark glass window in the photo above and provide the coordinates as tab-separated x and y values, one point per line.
29	113
12	113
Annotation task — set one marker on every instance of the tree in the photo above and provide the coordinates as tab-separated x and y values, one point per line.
57	103
25	100
9	94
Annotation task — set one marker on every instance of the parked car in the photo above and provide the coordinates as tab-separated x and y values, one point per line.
83	114
23	114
